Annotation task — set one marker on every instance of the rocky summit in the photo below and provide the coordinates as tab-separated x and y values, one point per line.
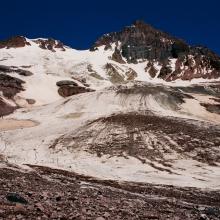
141	42
128	129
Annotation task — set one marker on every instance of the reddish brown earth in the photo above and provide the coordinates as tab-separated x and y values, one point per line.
5	109
56	194
14	42
69	88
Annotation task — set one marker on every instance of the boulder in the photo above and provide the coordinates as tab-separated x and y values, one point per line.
16	198
31	101
66	83
66	90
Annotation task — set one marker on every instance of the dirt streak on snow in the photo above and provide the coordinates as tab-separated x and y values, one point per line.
31	146
12	124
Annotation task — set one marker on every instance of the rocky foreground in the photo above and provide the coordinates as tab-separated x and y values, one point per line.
134	122
44	193
127	152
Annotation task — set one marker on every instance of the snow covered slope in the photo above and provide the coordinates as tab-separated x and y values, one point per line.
142	133
115	111
41	63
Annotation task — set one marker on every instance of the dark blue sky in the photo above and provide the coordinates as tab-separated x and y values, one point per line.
79	23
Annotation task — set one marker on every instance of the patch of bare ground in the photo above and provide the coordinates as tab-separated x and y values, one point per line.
73	115
12	124
147	137
57	194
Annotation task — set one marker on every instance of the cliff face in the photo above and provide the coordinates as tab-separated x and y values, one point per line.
141	42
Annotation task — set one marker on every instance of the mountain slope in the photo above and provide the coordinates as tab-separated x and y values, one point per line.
137	133
137	53
135	107
130	125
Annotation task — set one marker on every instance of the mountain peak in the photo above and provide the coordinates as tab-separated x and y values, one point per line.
142	42
141	23
139	41
165	56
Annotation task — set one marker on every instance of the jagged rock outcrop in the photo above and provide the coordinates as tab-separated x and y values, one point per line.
20	41
131	74
198	62
66	83
11	69
10	86
116	56
113	72
141	42
66	91
151	69
5	109
165	71
117	75
14	42
50	44
69	88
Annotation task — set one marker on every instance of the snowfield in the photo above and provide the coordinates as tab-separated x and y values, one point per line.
146	130
50	67
34	145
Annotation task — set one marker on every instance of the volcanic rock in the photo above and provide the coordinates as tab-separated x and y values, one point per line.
5	109
14	42
31	101
141	42
15	197
66	90
10	86
50	44
11	69
131	74
114	76
116	56
66	83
